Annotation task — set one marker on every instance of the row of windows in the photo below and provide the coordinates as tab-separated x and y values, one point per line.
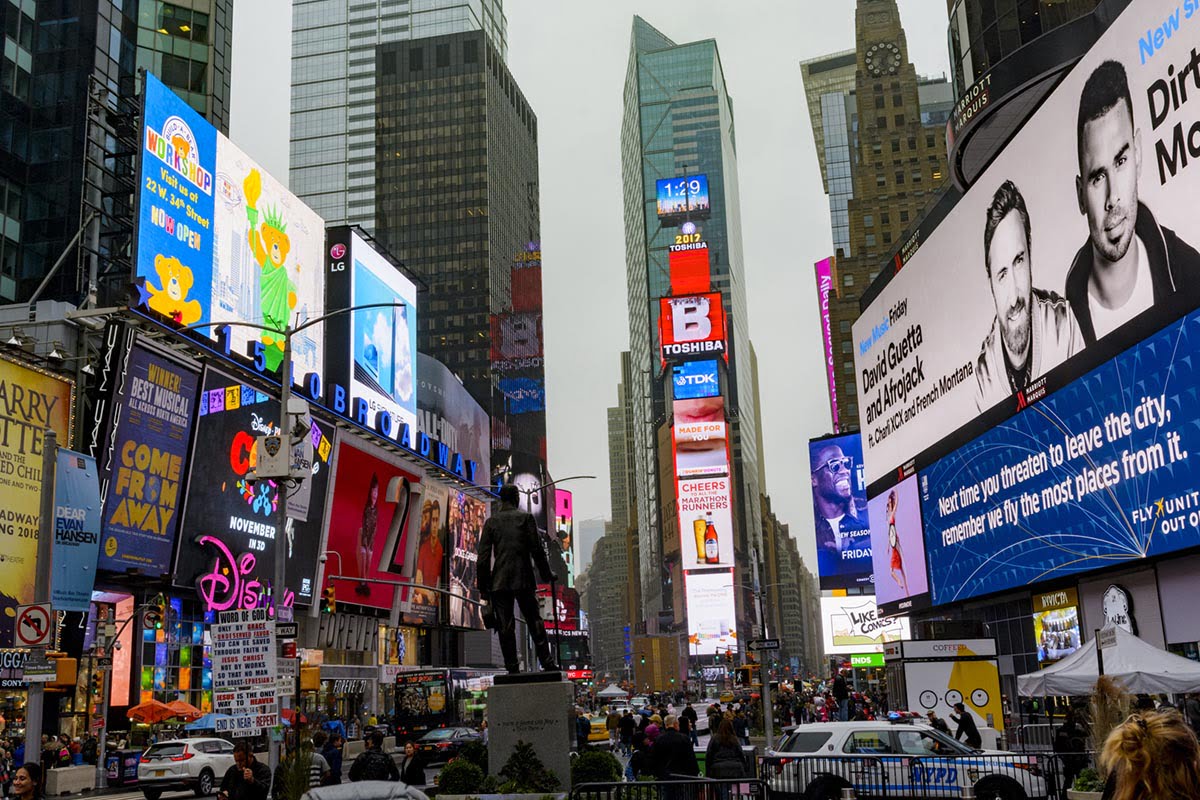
173	20
14	79
19	27
881	101
885	218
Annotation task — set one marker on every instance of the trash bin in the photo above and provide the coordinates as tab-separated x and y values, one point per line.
122	767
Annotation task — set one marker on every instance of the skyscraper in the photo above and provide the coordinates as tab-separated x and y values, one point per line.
333	90
679	121
828	83
898	147
51	52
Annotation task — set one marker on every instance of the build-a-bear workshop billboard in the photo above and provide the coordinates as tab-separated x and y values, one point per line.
221	241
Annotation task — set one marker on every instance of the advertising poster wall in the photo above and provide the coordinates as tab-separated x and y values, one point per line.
361	523
825	289
466	520
153	405
840	512
425	608
219	239
898	547
938	685
376	347
76	531
227	548
447	412
30	402
1075	243
711	612
691	327
853	625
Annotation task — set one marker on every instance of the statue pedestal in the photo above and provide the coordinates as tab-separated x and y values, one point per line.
536	708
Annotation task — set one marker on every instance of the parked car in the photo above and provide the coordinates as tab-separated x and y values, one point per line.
196	764
442	744
598	735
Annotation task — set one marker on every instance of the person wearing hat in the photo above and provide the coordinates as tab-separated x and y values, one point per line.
937	722
967	730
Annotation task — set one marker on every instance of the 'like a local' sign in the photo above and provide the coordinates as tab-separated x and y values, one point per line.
244	671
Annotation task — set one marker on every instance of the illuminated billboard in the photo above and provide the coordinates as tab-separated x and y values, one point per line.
466	518
220	240
703	487
701	437
853	625
374	348
564	517
840	514
688	265
447	412
696	379
1076	242
825	290
691	327
898	548
683	198
1056	624
711	612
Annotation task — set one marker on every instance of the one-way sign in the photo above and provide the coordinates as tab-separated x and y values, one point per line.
764	644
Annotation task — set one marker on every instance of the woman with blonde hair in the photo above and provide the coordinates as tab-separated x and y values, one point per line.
1151	756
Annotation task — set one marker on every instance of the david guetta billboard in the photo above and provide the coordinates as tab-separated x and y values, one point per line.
1099	473
840	512
691	327
1076	243
220	240
230	522
142	449
376	348
31	400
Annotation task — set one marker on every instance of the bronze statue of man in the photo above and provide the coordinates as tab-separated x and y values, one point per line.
510	536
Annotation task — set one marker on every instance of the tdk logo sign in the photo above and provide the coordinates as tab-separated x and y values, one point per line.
695	379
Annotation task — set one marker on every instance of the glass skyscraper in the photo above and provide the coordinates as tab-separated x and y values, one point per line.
678	119
333	89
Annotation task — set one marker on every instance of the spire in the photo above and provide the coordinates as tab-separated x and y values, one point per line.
647	38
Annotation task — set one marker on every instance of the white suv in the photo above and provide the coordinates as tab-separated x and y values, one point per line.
899	759
196	764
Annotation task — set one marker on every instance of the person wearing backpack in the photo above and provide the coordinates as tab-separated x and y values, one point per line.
725	757
373	764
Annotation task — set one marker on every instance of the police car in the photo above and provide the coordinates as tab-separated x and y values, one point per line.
897	758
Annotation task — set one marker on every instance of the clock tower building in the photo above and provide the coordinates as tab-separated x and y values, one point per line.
898	165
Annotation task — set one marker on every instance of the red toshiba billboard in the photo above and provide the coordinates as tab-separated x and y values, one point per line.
691	327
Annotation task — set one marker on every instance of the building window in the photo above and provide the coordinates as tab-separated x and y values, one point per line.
880	180
847	279
847	346
916	176
416	59
897	100
852	409
912	143
899	178
903	215
877	148
388	62
848	367
869	240
887	237
470	52
844	326
885	218
443	55
868	221
879	101
881	123
929	140
899	120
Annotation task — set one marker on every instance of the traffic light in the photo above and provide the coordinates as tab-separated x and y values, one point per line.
97	684
156	613
328	600
729	656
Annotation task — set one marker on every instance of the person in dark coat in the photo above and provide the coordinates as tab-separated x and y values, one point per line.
331	751
725	757
583	729
690	715
412	767
967	731
373	764
510	536
247	779
672	753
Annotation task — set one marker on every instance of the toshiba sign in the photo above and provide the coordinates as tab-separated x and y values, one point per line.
691	327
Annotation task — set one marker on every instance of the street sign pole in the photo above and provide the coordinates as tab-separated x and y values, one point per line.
41	588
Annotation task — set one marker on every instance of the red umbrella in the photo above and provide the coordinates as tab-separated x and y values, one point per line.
185	711
150	712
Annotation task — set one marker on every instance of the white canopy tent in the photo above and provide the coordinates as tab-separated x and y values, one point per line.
1138	665
612	692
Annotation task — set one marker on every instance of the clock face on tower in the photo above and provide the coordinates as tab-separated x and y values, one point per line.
883	58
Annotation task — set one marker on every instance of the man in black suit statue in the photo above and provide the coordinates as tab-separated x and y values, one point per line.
510	536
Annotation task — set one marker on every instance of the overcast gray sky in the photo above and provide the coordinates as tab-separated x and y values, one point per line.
569	56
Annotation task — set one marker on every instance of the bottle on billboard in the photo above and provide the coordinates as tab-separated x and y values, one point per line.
699	528
711	549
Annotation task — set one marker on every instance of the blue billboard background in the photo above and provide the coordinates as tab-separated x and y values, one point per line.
1099	473
175	207
143	496
695	379
76	531
843	529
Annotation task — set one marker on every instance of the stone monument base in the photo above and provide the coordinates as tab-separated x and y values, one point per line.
536	708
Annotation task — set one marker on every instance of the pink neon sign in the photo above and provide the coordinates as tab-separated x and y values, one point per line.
232	584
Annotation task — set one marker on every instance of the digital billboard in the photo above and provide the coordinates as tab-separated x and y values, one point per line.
152	401
564	524
1096	474
446	411
691	327
1056	624
682	198
466	518
840	512
374	349
898	548
230	522
826	289
30	402
711	612
523	395
516	341
371	513
706	522
220	240
696	379
700	432
853	625
688	265
1075	243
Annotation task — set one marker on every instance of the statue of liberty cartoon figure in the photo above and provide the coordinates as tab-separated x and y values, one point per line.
270	245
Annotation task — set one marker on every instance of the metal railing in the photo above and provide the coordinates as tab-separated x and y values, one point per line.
1033	737
1012	776
679	789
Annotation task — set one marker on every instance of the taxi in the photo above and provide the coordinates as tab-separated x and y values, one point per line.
899	757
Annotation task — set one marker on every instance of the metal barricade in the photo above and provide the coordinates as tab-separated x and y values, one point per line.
806	777
683	788
1033	738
